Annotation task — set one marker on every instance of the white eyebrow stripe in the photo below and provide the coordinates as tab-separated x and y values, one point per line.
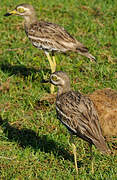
23	8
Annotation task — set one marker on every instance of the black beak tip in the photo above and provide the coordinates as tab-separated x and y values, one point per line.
45	81
7	14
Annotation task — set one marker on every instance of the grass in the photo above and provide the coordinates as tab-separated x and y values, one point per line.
33	144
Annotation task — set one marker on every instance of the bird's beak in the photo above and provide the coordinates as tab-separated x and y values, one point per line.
11	13
45	81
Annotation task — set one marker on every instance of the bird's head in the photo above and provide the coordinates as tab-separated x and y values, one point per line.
22	10
25	10
61	80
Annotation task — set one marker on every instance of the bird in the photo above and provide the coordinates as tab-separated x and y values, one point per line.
48	36
105	101
78	114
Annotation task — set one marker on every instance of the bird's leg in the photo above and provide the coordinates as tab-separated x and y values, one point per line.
75	157
92	159
50	61
74	152
52	70
54	62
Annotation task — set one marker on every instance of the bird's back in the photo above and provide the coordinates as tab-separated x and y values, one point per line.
105	101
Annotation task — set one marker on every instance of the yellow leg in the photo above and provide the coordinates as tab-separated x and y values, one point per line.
92	159
75	158
54	62
92	166
50	61
74	152
52	70
52	89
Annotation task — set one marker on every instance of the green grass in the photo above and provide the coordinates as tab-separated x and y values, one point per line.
33	144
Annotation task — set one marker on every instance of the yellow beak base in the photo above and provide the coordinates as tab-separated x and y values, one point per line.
11	13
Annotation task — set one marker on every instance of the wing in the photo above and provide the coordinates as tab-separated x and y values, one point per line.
52	37
78	114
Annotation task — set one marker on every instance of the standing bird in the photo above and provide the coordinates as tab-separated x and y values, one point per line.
48	36
77	113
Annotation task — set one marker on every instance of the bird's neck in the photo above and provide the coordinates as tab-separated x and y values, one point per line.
30	20
62	90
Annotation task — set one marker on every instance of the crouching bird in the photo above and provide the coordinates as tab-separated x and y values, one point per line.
77	113
105	101
48	36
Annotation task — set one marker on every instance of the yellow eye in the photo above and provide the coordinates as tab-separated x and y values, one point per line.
54	78
20	10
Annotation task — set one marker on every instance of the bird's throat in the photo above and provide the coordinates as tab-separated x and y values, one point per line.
62	90
30	20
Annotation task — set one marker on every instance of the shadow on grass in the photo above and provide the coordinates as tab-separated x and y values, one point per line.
25	72
28	138
21	70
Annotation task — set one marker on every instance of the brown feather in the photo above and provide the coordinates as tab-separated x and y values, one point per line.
105	101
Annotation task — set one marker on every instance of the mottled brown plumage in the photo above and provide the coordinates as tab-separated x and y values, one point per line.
77	112
105	101
52	37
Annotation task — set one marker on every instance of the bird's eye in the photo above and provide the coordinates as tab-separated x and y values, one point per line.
54	78
20	10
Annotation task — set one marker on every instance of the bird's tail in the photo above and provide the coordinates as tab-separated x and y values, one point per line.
85	52
102	146
88	55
